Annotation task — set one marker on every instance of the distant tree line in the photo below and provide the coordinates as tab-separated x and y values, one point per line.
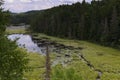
98	21
22	18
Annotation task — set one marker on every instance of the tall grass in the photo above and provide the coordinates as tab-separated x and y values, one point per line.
60	73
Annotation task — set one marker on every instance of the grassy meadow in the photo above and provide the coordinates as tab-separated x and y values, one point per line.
15	30
105	59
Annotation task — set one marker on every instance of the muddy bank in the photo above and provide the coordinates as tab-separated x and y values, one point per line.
46	41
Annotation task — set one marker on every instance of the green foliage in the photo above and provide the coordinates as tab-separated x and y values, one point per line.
60	73
97	22
13	61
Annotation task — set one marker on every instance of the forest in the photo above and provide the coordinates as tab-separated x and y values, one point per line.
98	21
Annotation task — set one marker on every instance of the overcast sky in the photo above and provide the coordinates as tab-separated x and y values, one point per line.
27	5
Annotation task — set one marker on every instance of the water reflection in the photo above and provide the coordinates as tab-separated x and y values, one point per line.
26	42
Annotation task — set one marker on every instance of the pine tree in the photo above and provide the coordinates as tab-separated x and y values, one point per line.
105	33
114	27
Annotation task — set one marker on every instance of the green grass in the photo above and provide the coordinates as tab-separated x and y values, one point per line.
110	76
103	58
37	67
83	70
15	30
60	73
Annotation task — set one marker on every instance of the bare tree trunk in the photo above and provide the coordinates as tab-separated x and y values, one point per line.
48	69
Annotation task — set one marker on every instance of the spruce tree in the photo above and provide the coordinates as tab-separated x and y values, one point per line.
114	27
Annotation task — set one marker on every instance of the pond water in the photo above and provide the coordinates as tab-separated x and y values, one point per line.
25	41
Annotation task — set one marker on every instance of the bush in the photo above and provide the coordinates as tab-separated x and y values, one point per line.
13	61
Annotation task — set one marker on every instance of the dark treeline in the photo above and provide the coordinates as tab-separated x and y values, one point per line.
23	18
98	21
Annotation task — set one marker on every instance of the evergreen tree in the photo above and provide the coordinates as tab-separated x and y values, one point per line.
12	60
114	27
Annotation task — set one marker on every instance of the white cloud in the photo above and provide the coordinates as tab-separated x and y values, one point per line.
26	1
9	1
26	5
